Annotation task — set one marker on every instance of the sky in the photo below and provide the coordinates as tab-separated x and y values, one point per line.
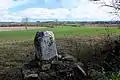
42	10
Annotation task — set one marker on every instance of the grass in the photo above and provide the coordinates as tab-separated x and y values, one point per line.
15	54
58	31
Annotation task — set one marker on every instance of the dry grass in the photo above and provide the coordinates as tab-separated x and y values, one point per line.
15	54
86	50
18	28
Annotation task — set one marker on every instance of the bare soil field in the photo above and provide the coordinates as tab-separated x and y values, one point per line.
18	28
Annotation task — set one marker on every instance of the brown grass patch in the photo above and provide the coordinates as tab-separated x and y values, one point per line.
18	28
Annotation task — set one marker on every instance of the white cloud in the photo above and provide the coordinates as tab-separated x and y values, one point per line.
90	10
5	5
10	17
82	9
85	9
45	13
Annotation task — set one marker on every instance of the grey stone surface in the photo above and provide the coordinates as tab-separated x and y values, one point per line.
48	65
45	45
29	72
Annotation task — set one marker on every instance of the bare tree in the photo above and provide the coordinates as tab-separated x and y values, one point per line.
25	22
113	4
56	22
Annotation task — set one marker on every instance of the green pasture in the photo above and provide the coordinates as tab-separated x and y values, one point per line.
59	32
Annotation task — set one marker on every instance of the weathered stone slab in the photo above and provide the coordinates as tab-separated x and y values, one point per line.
46	67
45	45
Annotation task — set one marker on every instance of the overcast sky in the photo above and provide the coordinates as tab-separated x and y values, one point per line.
82	10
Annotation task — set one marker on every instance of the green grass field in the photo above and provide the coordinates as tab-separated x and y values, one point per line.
59	32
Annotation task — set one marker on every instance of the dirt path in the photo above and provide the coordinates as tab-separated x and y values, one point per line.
18	28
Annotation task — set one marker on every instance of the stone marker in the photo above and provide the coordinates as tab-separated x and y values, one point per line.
45	45
48	64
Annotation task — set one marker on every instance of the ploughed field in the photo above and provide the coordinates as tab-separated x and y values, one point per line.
18	28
